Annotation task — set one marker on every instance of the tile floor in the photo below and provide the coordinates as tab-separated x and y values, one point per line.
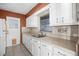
17	51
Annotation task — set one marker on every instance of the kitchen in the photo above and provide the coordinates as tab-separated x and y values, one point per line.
48	29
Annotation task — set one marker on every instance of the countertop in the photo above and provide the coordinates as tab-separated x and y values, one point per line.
70	45
61	42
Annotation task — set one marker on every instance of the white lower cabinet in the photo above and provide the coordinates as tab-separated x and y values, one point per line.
27	41
41	49
38	48
35	47
46	50
24	39
30	46
63	52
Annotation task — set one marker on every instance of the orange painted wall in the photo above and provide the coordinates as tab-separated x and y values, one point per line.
36	8
4	13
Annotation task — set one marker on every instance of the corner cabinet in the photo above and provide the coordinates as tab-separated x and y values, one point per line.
62	14
32	21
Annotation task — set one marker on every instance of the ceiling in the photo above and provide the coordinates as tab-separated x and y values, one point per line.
21	8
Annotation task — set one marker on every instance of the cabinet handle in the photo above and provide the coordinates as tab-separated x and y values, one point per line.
56	20
48	54
39	46
44	45
62	19
58	52
62	54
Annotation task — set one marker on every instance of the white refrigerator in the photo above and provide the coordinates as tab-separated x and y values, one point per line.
2	37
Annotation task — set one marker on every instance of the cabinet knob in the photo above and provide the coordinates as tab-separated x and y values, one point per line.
56	20
48	54
39	46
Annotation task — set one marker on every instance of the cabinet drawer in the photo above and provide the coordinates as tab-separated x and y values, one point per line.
60	52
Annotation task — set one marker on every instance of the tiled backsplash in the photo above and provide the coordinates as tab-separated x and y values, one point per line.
66	32
62	29
33	30
63	32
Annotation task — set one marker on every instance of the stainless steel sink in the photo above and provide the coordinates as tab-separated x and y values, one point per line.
39	35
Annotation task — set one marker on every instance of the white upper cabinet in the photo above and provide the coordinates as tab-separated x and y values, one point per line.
32	21
28	22
52	15
62	14
68	14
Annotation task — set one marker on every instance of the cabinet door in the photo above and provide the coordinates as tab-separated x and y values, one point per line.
58	14
55	14
34	21
66	14
26	41
35	48
29	21
52	15
58	52
29	38
62	52
30	48
24	38
45	50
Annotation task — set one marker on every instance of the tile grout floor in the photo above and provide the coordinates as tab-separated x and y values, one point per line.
17	51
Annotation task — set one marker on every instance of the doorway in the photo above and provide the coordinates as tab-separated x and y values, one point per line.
13	30
9	29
